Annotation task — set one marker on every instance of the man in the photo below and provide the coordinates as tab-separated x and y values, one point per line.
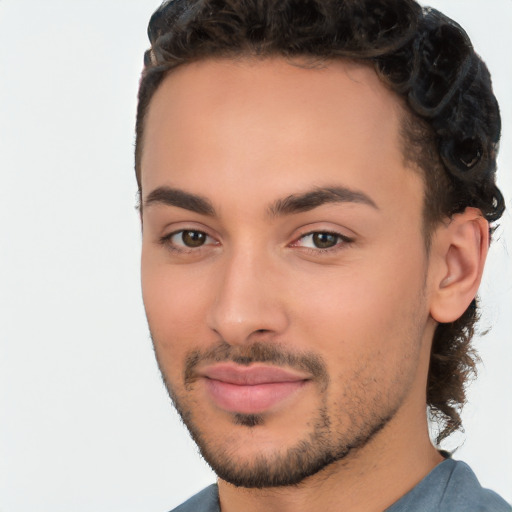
317	184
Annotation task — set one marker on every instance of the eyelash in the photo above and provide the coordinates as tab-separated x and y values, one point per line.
183	249
341	242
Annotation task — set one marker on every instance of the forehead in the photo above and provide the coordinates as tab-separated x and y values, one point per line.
231	121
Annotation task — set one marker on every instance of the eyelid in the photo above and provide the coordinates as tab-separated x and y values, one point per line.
179	226
341	243
166	240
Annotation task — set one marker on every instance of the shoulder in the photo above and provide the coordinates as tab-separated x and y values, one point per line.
463	489
451	487
205	501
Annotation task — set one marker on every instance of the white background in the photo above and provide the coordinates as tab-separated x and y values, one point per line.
85	424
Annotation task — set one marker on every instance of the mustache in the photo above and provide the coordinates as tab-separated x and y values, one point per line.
258	352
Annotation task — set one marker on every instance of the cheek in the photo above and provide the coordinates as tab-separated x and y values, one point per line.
176	306
369	334
364	309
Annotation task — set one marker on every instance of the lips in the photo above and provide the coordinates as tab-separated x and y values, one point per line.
253	389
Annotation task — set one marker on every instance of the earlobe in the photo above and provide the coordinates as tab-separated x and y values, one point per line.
461	250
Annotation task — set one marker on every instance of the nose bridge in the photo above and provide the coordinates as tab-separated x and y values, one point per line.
247	298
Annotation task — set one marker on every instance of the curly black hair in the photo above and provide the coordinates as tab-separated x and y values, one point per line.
451	128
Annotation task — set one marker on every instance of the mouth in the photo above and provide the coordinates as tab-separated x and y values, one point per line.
251	389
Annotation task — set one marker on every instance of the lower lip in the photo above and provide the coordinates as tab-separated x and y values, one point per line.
252	399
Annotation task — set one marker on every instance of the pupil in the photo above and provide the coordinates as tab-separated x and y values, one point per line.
193	238
324	240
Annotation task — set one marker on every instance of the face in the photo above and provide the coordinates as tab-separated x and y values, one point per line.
284	271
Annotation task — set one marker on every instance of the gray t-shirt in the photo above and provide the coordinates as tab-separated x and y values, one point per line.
449	487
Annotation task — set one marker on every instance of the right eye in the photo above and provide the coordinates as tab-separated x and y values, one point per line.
187	239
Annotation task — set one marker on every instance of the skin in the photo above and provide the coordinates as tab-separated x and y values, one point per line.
244	135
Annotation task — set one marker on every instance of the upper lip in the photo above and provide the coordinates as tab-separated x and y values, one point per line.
251	375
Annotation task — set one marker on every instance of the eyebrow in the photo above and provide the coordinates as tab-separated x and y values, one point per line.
297	203
294	203
181	199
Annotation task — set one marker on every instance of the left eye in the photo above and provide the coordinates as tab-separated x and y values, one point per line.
320	240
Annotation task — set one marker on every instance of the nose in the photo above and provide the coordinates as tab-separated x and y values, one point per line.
249	299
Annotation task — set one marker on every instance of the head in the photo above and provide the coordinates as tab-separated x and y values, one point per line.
446	124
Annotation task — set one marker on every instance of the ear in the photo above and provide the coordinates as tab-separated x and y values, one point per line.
458	254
